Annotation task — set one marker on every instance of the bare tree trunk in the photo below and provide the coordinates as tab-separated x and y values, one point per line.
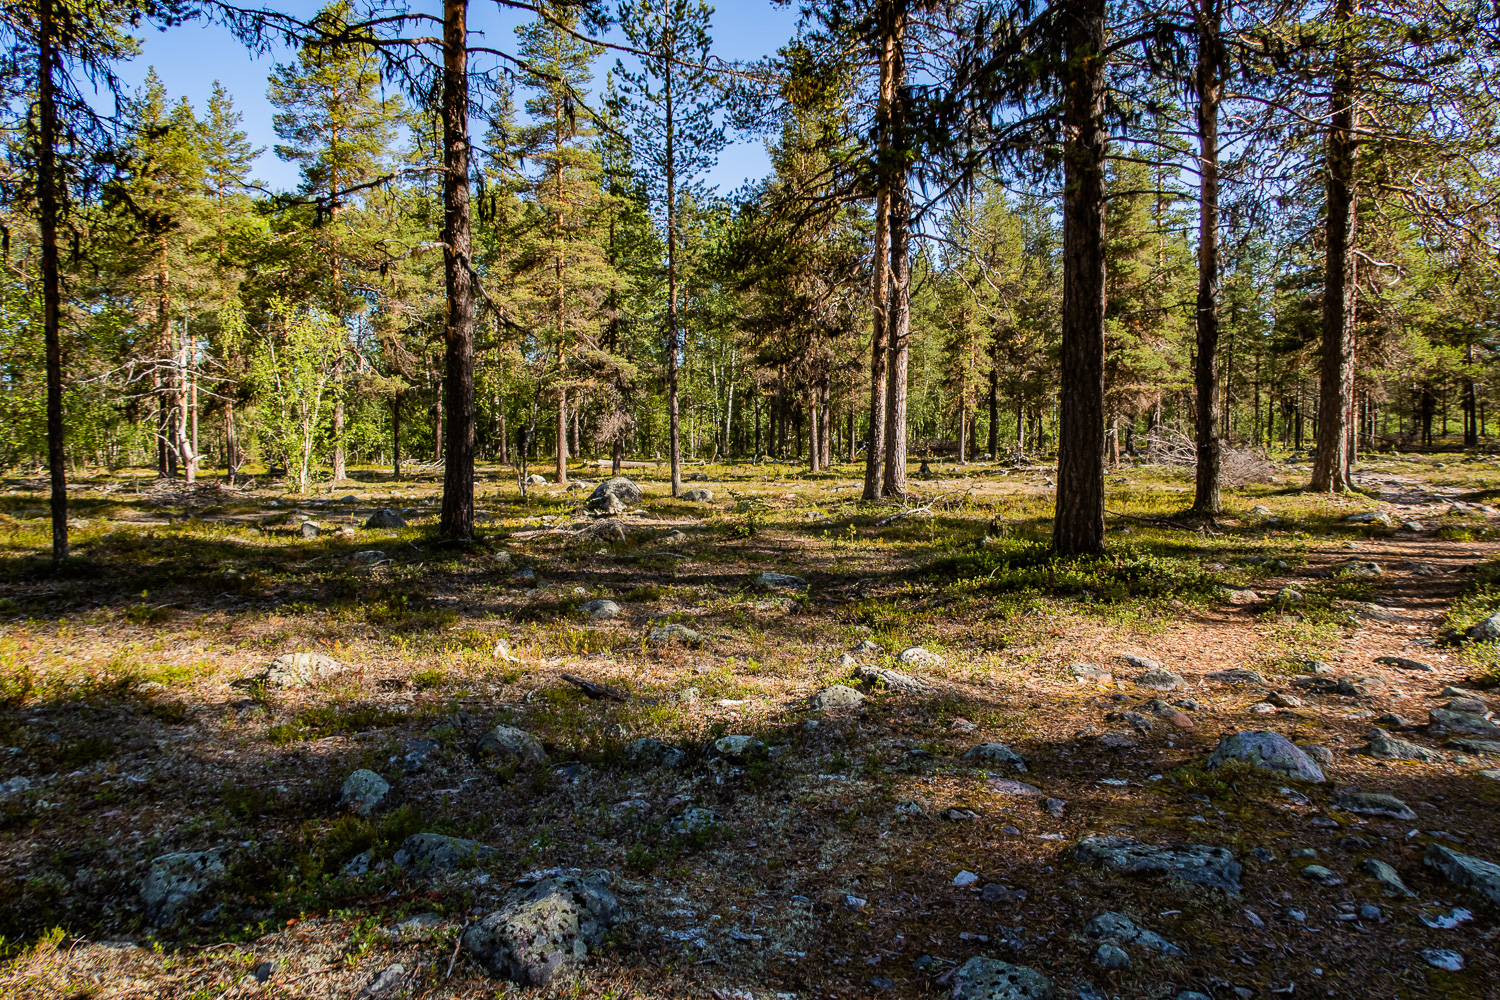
825	416
396	435
880	274
1206	499
898	315
815	448
49	198
340	471
994	439
231	443
963	430
562	428
457	520
1330	472
1078	525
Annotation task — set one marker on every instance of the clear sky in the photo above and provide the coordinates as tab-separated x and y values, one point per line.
190	58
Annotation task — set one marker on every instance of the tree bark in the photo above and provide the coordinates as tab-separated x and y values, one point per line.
1078	523
1206	499
457	520
880	274
898	311
48	198
562	427
1331	464
396	435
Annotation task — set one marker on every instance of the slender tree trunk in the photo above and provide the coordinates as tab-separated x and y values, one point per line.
825	411
340	471
675	451
1331	464
49	198
396	435
898	315
880	272
814	449
562	429
457	520
994	437
1210	448
1078	525
231	443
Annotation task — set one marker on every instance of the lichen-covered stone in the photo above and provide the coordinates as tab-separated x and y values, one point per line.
614	496
508	742
991	979
1464	870
295	670
836	697
175	880
997	754
1196	863
440	851
549	928
363	792
1268	751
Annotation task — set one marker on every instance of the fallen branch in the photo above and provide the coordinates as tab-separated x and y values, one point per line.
594	689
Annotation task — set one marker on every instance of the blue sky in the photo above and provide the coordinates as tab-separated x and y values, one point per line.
189	59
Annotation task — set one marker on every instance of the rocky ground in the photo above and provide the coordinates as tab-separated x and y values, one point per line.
766	742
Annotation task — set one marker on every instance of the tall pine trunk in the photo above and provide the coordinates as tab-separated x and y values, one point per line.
396	435
457	519
1330	472
1210	449
1078	523
673	414
48	198
880	271
898	310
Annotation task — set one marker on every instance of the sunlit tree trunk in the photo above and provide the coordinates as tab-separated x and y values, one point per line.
457	520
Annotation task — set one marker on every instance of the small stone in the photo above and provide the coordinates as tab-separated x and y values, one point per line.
1087	673
698	496
173	881
672	633
1283	700
1467	704
1171	714
1009	786
895	680
1390	881
294	670
1374	804
739	747
1463	870
990	979
12	786
1463	722
601	610
1113	926
1391	720
308	529
837	697
1196	863
510	743
1160	680
996	753
1263	854
1406	663
363	792
1373	517
855	904
693	822
916	656
1387	747
1487	630
964	878
1319	754
1268	751
1054	807
847	661
1140	662
867	647
781	581
1236	676
993	893
650	750
1109	956
1261	708
385	982
1443	958
1318	873
385	518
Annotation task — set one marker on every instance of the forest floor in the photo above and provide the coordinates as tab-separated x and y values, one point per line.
856	851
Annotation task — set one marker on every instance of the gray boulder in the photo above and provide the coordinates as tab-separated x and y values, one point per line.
893	679
1086	672
1387	747
510	743
836	697
1485	748
12	786
1268	751
698	496
1374	804
1160	680
916	656
294	670
549	928
1140	662
650	750
997	754
739	747
308	529
991	979
1468	872
536	480
174	880
781	581
1111	956
1463	722
614	496
387	981
440	851
693	822
1485	631
1236	676
1390	882
1196	863
601	610
672	633
1406	663
363	792
1112	926
385	518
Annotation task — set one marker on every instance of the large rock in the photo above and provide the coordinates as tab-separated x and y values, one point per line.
1406	663
672	633
1160	680
781	581
1196	863
1390	881
385	518
893	679
916	656
614	496
739	747
549	928
991	979
1374	804
1387	747
1463	870
1236	676
1112	926
1485	631
652	751
363	792
1463	722
440	851
601	610
836	697
510	743
294	670
698	496
1268	751
174	880
998	754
